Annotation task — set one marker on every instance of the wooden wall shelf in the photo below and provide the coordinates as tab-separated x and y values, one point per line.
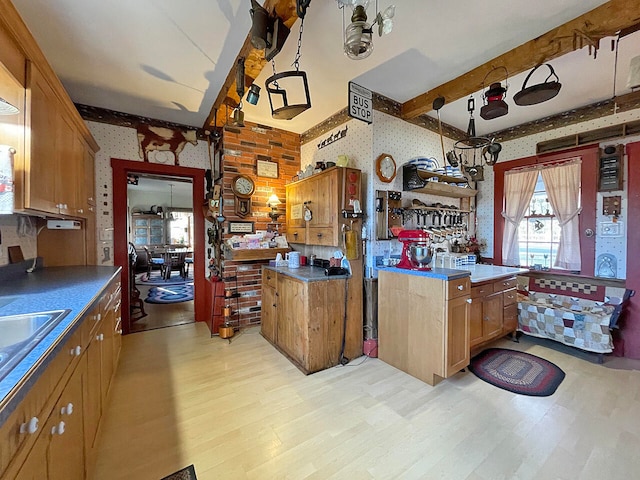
249	254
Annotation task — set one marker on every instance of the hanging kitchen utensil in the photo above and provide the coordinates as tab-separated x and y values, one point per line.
475	172
538	93
453	159
490	153
438	103
494	106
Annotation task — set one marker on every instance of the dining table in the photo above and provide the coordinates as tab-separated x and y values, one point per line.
174	259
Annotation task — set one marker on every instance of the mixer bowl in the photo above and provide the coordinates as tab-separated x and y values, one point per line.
420	255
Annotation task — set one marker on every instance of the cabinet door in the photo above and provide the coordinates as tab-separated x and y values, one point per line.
269	308
67	167
292	319
66	450
295	209
41	121
492	315
475	322
457	354
35	466
92	406
323	196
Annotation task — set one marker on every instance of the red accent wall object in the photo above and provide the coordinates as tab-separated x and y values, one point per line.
631	324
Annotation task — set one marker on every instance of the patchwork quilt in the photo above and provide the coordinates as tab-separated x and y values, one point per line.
575	313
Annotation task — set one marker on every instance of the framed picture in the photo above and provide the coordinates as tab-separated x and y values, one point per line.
241	227
267	169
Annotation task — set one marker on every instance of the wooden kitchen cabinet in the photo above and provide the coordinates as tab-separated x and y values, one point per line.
79	375
325	195
305	320
423	324
493	311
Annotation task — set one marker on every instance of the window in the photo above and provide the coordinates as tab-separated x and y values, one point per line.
180	228
583	181
539	231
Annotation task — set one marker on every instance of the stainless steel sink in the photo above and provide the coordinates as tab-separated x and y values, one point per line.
19	334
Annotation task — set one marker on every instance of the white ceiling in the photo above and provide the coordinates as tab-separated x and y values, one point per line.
168	60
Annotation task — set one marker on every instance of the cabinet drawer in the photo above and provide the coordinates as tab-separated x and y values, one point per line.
269	279
504	284
458	288
481	290
509	297
320	236
296	235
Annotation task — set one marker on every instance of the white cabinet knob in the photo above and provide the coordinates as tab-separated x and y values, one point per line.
75	352
469	300
99	317
30	427
67	410
100	337
58	429
460	287
120	332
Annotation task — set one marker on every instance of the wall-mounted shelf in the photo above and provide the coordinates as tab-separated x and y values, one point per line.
414	180
249	254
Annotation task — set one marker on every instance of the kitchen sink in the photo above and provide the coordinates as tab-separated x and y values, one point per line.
19	334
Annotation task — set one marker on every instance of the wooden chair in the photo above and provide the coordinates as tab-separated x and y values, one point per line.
175	261
155	262
136	305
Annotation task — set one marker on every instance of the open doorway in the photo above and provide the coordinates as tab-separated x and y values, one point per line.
123	172
161	235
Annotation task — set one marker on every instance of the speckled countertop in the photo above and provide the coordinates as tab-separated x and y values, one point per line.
305	274
52	288
439	273
478	273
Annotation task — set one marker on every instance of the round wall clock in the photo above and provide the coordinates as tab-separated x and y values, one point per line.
242	186
386	168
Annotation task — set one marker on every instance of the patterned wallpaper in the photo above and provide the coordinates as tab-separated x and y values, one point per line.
525	147
122	143
363	144
18	230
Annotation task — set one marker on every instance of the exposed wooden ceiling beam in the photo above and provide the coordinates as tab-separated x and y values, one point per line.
253	65
586	30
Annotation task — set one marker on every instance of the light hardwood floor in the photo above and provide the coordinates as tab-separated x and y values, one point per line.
241	410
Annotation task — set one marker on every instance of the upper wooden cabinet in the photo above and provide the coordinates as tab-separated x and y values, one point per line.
315	206
52	141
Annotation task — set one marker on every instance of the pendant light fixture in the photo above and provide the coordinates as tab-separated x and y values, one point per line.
289	91
358	35
170	218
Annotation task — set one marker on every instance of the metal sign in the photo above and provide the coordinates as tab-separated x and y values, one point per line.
360	103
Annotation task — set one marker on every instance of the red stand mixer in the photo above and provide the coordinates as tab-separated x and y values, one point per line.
416	251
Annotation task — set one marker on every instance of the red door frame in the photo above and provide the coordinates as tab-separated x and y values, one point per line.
631	327
589	181
120	169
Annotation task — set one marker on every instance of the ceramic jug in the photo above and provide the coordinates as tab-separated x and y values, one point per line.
294	259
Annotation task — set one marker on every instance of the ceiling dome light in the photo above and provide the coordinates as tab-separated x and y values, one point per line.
8	109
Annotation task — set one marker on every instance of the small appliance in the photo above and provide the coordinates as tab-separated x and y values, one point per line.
416	251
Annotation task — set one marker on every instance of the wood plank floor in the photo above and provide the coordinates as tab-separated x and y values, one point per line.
160	315
240	410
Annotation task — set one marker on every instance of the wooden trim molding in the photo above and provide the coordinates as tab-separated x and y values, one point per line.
120	169
589	182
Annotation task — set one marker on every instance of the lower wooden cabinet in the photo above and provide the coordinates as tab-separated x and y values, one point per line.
423	324
52	433
306	320
494	310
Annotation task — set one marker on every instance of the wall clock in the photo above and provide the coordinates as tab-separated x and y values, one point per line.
243	187
386	168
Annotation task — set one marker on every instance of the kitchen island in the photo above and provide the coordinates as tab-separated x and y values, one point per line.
60	385
307	316
426	318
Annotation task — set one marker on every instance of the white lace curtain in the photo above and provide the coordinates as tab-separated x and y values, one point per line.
518	190
562	183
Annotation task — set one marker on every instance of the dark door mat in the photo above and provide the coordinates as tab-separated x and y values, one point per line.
187	473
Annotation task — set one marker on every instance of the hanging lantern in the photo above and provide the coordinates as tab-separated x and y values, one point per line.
494	106
289	91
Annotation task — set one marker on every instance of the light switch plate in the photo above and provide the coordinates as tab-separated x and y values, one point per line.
611	229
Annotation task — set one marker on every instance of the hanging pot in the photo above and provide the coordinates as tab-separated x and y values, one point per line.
496	106
490	153
475	172
538	93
